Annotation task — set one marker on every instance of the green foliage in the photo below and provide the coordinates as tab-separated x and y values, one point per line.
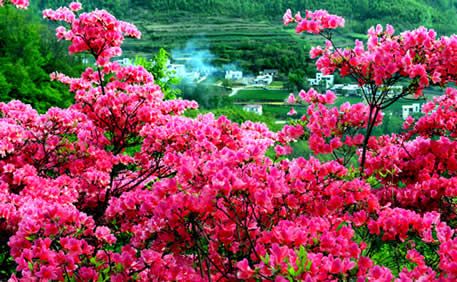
280	111
390	124
238	115
207	95
27	56
227	83
304	265
250	33
7	264
296	81
360	14
162	76
275	49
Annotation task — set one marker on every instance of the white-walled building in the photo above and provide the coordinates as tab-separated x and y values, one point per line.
329	80
407	110
263	80
352	90
125	62
180	72
253	108
271	72
234	75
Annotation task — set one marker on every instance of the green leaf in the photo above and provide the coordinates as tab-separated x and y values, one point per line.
265	259
308	266
340	226
302	253
292	271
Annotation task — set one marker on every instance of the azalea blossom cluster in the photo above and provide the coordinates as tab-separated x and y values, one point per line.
425	165
98	32
123	186
20	4
333	128
313	22
418	55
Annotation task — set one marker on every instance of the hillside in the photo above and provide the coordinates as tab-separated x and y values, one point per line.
250	34
360	14
249	45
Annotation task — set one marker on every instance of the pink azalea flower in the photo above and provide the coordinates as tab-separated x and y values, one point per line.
292	112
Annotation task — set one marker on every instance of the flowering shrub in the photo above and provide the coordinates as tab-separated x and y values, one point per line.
416	57
21	4
122	186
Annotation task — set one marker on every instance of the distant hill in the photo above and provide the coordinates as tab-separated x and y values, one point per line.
360	14
250	34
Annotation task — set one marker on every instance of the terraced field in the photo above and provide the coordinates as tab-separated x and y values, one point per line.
253	46
216	30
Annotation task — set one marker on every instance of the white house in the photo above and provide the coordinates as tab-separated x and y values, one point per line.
125	62
233	75
337	88
271	72
180	72
352	90
263	80
253	108
329	80
407	110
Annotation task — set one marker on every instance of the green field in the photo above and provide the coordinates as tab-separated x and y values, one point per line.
276	84
352	100
261	95
280	111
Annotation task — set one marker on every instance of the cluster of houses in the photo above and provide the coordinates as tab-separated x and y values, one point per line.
253	108
328	80
264	78
339	89
267	76
234	75
407	110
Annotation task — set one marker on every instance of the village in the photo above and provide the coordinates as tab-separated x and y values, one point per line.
266	77
264	81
